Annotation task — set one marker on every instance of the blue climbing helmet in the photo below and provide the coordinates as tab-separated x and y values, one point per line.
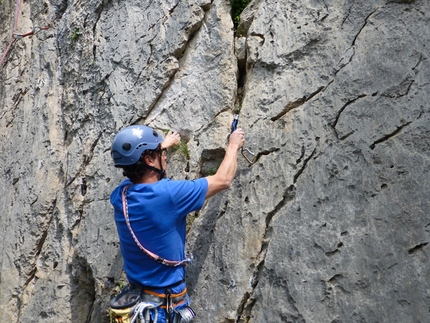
131	142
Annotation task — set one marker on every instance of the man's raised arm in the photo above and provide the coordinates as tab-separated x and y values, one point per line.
224	176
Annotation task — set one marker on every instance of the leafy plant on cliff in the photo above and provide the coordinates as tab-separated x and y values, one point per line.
74	34
183	148
237	7
212	171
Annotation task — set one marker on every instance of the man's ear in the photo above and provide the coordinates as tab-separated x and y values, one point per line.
147	159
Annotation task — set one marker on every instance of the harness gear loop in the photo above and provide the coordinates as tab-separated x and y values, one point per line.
169	305
171	263
169	301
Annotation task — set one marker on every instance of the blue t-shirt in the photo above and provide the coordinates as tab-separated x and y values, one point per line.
157	214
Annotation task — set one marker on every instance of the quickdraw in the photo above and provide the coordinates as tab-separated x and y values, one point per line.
142	313
233	128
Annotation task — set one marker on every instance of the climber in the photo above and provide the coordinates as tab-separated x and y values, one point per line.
150	213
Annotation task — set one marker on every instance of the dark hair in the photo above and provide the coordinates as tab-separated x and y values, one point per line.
136	171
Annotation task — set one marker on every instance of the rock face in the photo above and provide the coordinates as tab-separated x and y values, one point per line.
330	224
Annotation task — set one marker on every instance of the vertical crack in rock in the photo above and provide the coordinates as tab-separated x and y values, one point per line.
366	20
415	68
390	135
98	11
86	160
222	211
171	10
334	124
82	285
247	302
16	100
60	8
190	33
305	162
205	239
37	250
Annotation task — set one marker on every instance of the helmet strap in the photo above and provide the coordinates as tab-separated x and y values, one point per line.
161	171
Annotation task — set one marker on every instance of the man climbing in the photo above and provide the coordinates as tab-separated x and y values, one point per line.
150	215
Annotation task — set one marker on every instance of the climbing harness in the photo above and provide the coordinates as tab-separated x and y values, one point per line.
139	305
172	263
233	128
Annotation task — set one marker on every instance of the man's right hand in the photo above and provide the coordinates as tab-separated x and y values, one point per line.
224	176
237	138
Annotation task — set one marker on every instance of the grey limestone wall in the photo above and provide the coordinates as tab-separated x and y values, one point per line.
330	224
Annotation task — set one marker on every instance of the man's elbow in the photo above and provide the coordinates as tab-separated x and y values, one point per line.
226	184
223	183
217	184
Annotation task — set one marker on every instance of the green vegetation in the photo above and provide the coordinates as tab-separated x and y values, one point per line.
74	34
121	285
237	7
183	148
118	288
211	171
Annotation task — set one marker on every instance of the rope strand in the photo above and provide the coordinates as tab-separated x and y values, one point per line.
171	263
16	36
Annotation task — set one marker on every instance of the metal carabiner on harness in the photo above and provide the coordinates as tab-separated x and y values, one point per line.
169	306
142	313
233	128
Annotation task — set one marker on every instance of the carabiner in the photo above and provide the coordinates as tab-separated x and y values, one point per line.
233	128
254	159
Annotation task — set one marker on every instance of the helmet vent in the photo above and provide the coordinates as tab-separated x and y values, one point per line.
126	146
155	133
141	144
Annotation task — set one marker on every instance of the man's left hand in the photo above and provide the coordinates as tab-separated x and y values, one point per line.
172	139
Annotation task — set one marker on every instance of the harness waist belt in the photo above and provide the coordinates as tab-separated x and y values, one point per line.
175	299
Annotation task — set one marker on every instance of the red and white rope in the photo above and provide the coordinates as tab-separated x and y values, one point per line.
152	255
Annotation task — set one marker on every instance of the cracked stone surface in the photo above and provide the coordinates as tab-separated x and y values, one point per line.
330	224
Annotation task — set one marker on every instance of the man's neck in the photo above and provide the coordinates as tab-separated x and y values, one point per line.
148	178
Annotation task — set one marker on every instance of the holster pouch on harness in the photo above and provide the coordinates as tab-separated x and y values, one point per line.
122	306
